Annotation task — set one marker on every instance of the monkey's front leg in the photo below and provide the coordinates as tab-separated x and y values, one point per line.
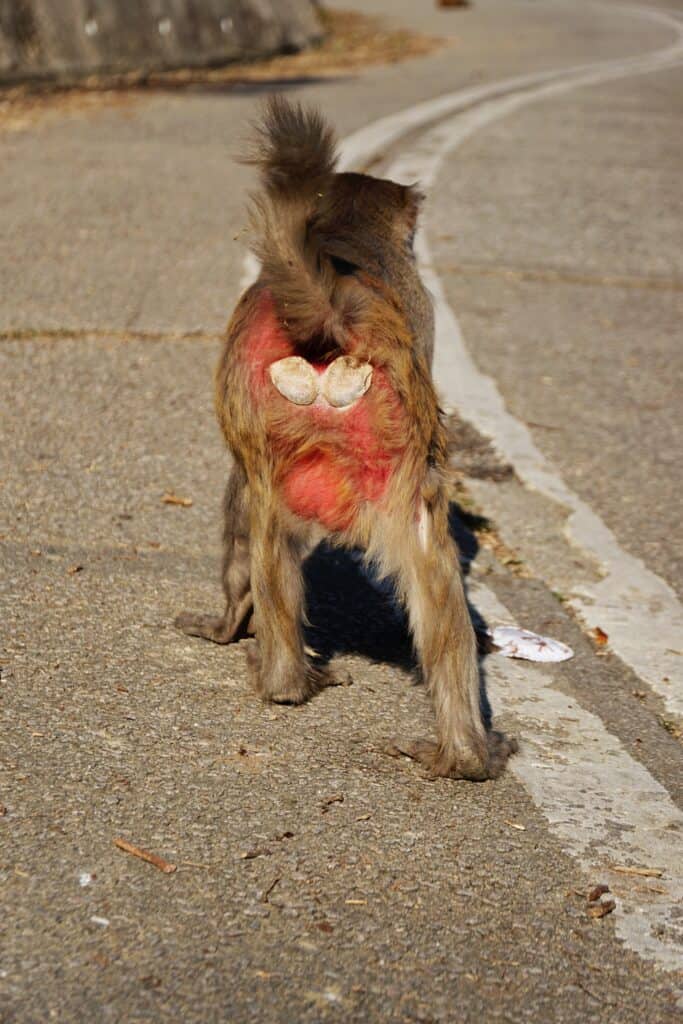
432	586
280	669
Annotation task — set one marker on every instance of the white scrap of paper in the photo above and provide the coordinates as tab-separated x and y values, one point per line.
513	642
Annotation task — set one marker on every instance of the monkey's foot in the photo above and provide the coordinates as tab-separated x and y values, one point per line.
316	677
321	676
221	629
293	686
473	767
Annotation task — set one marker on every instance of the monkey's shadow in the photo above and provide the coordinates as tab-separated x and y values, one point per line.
351	611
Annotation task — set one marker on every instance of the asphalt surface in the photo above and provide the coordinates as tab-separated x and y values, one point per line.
319	878
584	335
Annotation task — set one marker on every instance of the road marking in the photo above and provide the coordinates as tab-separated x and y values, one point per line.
365	145
636	608
603	805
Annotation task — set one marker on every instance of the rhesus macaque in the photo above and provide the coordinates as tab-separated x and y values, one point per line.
325	397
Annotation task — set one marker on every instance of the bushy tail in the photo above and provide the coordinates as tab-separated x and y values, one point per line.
295	150
296	153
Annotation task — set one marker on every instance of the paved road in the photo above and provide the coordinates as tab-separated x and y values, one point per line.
318	878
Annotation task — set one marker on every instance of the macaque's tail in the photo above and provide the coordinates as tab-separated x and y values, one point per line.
296	153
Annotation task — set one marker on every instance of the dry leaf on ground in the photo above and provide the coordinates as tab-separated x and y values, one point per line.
601	909
337	798
258	851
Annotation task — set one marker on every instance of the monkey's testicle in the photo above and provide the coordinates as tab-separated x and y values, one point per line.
343	382
295	379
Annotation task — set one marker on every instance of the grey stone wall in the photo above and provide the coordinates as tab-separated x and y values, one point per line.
67	37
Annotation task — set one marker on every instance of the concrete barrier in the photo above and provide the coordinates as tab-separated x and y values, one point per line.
61	38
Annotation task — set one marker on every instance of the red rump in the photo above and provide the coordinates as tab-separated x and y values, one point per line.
267	342
328	461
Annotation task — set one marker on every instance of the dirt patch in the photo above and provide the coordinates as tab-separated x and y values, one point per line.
472	454
21	109
352	41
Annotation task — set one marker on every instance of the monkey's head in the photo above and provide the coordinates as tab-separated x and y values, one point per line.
366	222
366	225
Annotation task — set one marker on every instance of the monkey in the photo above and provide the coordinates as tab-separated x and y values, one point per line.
325	398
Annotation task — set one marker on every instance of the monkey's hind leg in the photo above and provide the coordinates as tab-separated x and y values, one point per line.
280	669
432	587
236	570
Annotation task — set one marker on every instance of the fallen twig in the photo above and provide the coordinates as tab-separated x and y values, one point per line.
175	499
643	872
266	892
515	824
257	851
337	798
151	858
589	992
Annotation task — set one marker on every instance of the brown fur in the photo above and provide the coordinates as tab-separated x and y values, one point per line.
338	276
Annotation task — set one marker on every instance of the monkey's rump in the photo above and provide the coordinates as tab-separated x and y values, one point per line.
328	460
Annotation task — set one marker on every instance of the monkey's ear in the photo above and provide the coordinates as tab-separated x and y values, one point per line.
407	217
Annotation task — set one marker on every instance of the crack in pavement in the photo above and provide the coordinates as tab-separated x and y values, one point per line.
87	333
549	275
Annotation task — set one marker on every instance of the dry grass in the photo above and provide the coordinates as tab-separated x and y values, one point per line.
352	41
